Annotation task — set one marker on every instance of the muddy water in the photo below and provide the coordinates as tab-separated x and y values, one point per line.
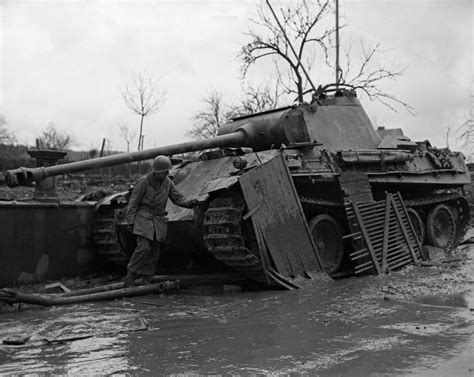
416	321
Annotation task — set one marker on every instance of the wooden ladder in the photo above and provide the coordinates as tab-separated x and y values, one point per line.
382	235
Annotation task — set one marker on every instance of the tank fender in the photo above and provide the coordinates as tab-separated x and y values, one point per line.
216	185
372	156
201	179
116	198
248	162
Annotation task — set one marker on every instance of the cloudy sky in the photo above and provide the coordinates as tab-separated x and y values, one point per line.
65	62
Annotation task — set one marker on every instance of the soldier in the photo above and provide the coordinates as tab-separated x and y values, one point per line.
146	218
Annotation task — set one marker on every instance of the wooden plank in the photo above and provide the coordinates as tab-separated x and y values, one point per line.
404	231
280	218
272	179
307	252
389	246
356	186
366	237
417	241
266	263
270	273
386	230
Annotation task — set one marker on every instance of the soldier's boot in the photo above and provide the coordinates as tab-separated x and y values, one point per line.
129	280
146	279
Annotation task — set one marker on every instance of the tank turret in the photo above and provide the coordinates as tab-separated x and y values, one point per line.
337	122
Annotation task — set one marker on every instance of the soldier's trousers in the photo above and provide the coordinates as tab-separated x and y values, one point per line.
143	261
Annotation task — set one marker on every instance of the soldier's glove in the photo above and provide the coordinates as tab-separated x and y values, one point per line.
130	228
193	202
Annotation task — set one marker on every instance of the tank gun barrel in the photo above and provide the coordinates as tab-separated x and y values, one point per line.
25	176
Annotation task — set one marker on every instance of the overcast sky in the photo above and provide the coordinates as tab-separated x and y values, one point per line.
66	61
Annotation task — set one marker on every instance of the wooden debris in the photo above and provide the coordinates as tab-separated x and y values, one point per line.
185	280
16	340
57	285
160	283
51	300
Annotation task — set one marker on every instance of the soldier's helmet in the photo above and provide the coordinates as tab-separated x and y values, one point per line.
161	164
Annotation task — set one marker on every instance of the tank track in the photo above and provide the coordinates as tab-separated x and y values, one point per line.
104	237
318	206
430	200
226	237
320	202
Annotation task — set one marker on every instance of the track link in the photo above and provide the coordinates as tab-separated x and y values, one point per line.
104	238
225	238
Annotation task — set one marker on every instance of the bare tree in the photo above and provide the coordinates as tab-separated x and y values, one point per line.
6	137
108	148
368	77
304	26
127	134
53	139
256	99
206	122
466	131
93	153
143	97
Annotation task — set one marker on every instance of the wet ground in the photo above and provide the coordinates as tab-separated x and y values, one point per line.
416	321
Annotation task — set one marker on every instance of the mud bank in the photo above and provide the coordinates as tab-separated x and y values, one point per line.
417	321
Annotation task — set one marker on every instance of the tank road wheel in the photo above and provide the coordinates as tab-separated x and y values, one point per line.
418	224
441	227
327	236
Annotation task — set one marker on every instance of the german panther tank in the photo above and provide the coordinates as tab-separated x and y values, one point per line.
319	156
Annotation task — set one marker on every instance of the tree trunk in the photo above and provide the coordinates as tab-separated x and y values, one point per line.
299	84
140	146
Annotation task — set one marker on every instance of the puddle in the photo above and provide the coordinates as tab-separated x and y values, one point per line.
424	329
458	300
84	339
408	322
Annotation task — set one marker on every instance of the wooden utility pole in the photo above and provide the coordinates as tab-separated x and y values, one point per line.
102	149
338	69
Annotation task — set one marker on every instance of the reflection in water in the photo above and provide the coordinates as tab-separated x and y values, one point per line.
97	356
84	339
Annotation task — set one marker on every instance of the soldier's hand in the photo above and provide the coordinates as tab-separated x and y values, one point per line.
130	228
193	202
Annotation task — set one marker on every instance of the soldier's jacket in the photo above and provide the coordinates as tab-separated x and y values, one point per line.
146	207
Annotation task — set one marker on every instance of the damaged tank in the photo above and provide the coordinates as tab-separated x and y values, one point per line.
284	180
